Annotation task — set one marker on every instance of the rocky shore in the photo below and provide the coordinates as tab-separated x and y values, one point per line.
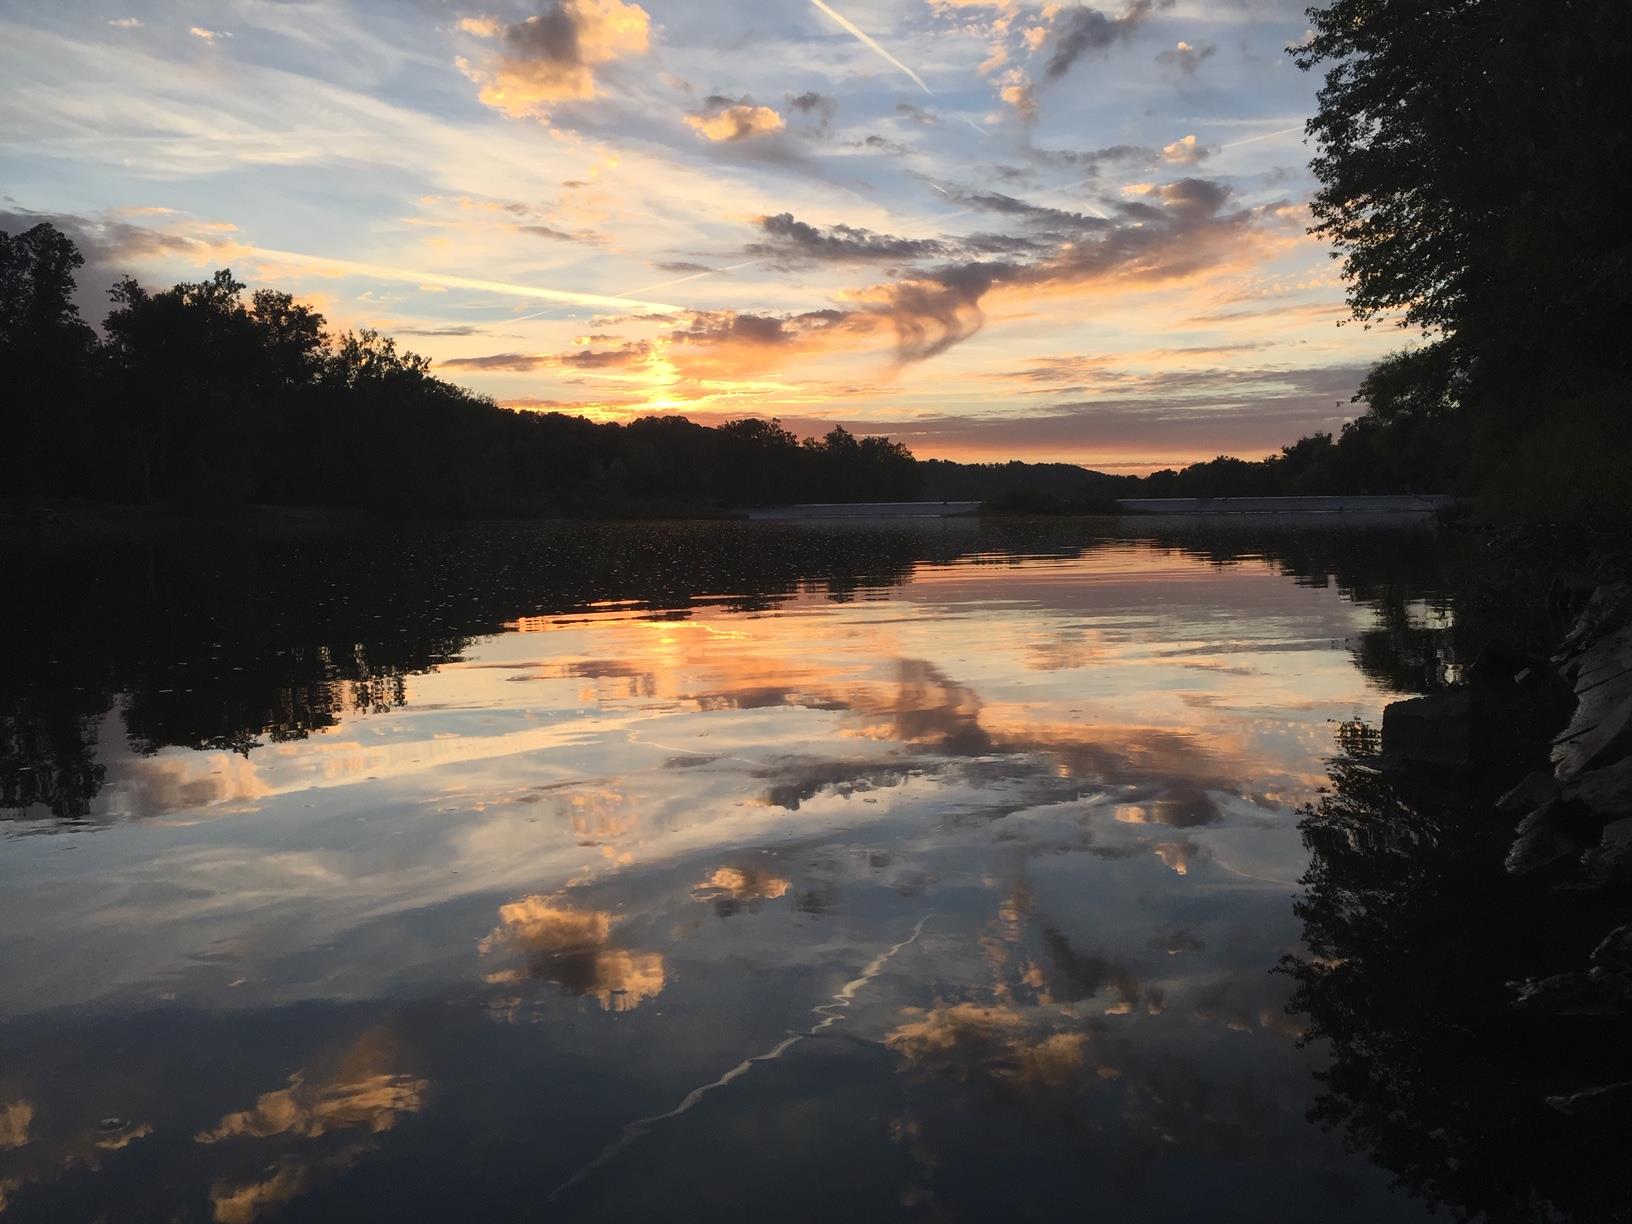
1571	850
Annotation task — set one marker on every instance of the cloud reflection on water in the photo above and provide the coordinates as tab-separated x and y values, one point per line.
573	949
1060	756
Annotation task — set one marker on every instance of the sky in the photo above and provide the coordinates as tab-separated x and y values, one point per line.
988	230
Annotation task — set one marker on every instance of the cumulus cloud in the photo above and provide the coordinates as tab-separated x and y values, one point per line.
728	119
1187	58
1192	198
1078	30
206	35
553	55
1019	92
1184	152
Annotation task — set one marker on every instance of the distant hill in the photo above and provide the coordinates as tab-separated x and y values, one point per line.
944	480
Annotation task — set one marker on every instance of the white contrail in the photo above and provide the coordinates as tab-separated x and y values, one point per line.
383	272
1247	875
694	276
692	751
831	1013
1263	136
625	298
871	43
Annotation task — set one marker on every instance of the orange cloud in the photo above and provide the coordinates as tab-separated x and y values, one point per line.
1184	152
15	1119
1019	92
552	56
738	121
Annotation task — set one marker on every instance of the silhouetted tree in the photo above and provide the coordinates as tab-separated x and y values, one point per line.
1474	166
45	355
201	398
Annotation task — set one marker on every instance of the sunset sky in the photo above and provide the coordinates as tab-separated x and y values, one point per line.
989	230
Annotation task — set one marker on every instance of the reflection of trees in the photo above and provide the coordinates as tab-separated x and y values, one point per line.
1444	602
48	760
1415	933
215	640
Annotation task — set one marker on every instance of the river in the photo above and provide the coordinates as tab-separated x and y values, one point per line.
911	871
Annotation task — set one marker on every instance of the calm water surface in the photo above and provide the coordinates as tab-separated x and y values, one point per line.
611	873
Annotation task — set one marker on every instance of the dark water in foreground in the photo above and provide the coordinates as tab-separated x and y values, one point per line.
930	872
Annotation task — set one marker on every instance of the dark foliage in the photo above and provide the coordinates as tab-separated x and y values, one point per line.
1474	164
1060	482
1371	455
1417	936
202	399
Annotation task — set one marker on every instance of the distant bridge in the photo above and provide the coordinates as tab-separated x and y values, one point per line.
1401	503
1393	503
867	510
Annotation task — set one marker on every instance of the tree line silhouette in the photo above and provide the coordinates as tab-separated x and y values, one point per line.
204	398
198	396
